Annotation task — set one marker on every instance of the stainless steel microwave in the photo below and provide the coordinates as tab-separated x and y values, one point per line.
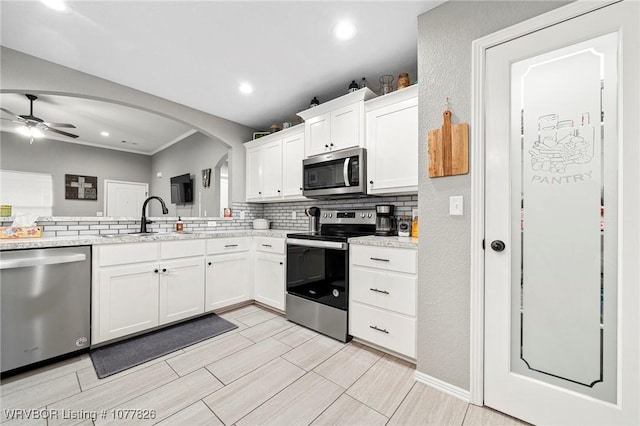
335	174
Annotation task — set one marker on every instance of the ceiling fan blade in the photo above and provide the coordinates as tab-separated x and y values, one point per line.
10	113
67	125
31	117
60	132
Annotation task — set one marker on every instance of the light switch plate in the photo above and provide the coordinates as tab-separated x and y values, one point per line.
456	205
293	214
242	215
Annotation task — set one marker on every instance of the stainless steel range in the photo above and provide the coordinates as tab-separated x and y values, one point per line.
318	271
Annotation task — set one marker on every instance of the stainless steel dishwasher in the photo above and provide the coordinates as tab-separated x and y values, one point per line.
45	304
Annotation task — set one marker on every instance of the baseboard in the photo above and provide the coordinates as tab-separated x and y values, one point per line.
442	386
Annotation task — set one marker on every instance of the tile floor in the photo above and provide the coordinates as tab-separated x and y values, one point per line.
267	371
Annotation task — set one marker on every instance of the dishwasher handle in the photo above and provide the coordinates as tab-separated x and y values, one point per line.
29	261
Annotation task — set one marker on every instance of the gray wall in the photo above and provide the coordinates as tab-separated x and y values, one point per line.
60	158
190	155
444	70
24	73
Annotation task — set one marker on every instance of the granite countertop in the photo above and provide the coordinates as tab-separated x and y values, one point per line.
398	242
82	240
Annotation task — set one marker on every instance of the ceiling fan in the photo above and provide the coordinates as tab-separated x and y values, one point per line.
32	126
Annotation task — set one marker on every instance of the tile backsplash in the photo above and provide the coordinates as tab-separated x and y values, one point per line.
280	216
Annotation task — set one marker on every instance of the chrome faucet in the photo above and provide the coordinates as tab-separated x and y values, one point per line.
144	221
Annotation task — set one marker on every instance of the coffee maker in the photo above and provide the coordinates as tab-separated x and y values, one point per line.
314	219
385	223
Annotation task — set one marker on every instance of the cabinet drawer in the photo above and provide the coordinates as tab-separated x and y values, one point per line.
177	249
383	328
383	289
387	258
122	254
228	245
270	244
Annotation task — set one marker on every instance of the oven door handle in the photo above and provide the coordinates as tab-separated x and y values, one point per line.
317	244
345	172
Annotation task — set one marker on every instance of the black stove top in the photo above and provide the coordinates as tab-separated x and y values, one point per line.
341	237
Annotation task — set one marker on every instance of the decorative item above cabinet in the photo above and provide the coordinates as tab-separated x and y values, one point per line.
336	124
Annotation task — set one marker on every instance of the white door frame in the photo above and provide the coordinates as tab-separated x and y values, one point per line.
479	48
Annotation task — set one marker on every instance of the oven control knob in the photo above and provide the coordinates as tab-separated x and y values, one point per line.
325	215
369	215
363	215
330	214
335	292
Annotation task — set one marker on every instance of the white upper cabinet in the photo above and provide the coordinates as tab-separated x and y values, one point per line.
274	166
292	156
337	124
392	142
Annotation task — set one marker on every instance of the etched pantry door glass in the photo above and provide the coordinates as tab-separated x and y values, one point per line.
563	210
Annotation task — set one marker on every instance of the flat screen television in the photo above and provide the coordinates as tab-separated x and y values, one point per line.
182	189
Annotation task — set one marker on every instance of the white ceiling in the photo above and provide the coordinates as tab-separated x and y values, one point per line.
197	53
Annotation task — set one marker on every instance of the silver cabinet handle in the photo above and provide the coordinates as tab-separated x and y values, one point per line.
379	329
266	245
379	259
379	291
230	245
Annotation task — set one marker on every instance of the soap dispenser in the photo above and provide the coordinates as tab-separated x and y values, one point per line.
179	225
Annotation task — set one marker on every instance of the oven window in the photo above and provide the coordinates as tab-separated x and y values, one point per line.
318	274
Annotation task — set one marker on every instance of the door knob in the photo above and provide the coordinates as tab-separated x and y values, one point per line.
497	245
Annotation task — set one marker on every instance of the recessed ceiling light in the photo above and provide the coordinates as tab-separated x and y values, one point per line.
245	88
104	133
345	30
57	5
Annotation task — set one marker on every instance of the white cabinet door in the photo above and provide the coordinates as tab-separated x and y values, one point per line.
272	170
269	280
346	127
318	134
392	145
128	300
227	280
181	289
254	174
292	156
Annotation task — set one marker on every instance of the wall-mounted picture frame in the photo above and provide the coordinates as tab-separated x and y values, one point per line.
258	135
78	187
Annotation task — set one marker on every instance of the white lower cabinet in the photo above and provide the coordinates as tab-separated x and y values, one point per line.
133	294
269	272
140	286
228	272
181	293
128	301
382	297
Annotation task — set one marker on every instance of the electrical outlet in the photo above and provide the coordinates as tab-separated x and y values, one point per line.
293	214
242	215
212	223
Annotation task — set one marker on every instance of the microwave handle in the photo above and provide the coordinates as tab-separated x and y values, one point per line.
345	172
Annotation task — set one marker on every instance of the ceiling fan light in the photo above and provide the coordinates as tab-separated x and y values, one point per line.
57	5
30	132
24	131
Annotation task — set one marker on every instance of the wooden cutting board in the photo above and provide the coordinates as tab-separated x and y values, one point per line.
449	148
